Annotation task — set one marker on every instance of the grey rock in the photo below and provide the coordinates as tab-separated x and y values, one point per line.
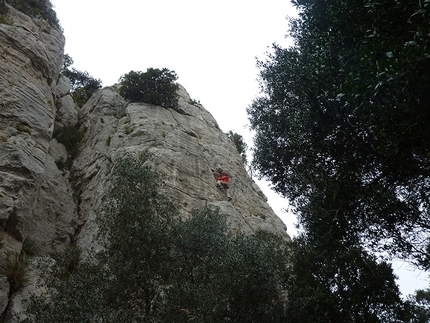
62	88
36	199
184	145
67	114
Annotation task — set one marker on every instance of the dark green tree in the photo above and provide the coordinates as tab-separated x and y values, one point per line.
83	85
342	123
224	276
240	144
343	285
420	302
155	86
136	226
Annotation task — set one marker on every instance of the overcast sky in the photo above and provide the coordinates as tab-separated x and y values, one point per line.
211	45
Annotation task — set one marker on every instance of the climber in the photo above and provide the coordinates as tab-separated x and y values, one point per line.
222	181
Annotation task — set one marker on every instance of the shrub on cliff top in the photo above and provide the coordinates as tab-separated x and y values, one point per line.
155	86
36	8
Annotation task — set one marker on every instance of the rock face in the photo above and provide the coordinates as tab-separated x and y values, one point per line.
43	205
183	144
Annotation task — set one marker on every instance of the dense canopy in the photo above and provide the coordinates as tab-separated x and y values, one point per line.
342	124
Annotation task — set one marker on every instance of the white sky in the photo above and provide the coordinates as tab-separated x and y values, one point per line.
211	45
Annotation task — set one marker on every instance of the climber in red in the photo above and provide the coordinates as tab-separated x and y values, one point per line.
222	181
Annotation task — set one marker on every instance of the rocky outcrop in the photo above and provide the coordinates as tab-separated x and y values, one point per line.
36	200
46	206
183	144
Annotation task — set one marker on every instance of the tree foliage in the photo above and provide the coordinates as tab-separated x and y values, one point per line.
157	267
3	8
240	144
341	131
136	226
420	301
343	285
155	86
342	123
71	137
226	277
36	8
83	85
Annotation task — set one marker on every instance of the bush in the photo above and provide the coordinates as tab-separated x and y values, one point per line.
16	272
36	8
240	144
17	265
155	86
74	287
23	127
3	8
71	137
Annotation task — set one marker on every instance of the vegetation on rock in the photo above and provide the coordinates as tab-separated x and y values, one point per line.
36	8
15	268
83	85
3	12
155	86
71	137
240	144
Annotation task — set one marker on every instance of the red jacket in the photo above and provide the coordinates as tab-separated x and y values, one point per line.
225	179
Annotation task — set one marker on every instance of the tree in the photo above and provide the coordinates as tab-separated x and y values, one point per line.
346	284
224	276
240	144
157	267
420	302
136	226
123	282
342	123
83	85
155	86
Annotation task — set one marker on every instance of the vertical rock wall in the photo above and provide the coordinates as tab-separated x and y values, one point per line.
184	144
36	202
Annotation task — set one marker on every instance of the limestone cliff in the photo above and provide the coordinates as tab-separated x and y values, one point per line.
47	207
183	144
